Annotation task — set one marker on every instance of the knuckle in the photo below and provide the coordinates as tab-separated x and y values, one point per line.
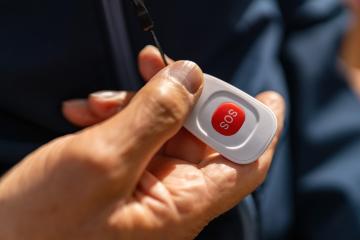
95	156
99	160
170	107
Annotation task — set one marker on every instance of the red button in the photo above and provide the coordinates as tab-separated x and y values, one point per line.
228	119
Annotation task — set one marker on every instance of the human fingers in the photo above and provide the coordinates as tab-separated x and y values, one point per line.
96	108
150	62
129	140
230	182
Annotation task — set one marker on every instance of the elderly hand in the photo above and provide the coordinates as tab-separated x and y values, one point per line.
351	47
136	175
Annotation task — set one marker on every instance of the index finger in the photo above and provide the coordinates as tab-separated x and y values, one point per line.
150	62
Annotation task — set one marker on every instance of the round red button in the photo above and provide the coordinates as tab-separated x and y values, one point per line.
228	119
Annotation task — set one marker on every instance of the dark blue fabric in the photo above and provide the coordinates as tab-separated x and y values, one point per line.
49	51
55	50
325	127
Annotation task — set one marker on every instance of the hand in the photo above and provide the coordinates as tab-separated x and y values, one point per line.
351	47
131	176
104	104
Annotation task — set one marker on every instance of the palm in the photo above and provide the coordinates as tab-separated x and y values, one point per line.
177	187
171	188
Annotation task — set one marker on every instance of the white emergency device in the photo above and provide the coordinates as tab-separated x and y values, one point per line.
232	122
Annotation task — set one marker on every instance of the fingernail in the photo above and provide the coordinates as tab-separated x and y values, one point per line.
188	74
105	94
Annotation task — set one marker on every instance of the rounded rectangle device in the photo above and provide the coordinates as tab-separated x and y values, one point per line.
232	122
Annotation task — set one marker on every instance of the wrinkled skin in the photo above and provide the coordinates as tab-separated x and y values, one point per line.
133	173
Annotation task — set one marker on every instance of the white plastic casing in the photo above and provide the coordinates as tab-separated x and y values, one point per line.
256	133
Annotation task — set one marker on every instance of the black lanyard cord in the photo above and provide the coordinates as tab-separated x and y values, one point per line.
148	25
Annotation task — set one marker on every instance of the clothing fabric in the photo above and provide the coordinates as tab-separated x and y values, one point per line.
51	51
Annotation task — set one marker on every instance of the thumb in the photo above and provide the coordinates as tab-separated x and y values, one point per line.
131	138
